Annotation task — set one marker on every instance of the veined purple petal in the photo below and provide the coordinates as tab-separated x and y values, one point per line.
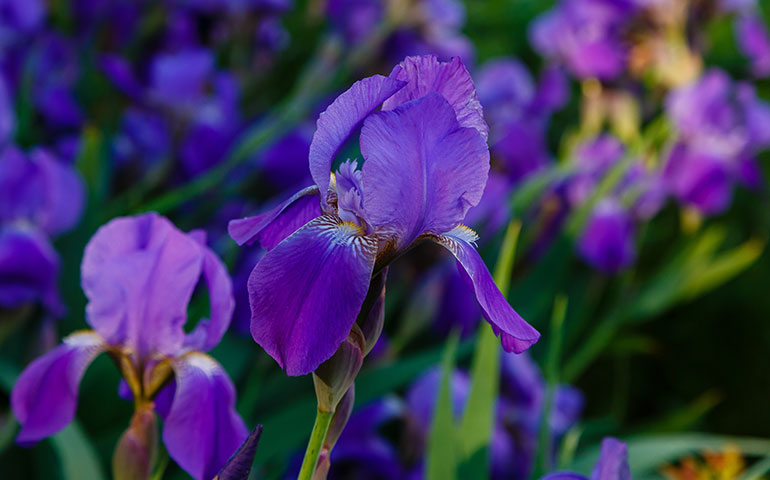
613	461
45	396
209	332
426	74
202	430
423	171
306	293
29	267
139	274
515	333
272	227
340	119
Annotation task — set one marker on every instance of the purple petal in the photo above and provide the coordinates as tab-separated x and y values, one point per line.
613	461
202	429
423	171
121	73
7	114
45	396
754	41
209	332
272	227
306	293
607	241
178	79
426	74
340	119
139	274
698	179
29	267
515	333
423	395
65	193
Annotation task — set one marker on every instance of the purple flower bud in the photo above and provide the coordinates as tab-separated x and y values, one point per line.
137	449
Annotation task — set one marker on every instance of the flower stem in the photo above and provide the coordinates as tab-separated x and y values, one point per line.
320	427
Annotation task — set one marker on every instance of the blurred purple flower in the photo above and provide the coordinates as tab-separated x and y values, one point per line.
586	35
18	19
139	274
607	240
185	98
433	27
7	114
39	197
518	112
611	465
426	164
721	128
754	41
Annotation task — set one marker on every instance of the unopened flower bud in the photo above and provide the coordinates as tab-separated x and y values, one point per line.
137	449
372	316
333	378
238	466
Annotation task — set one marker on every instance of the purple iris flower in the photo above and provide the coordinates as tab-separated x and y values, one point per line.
425	163
139	274
185	97
40	197
754	41
607	240
518	112
19	18
586	35
430	27
612	464
721	127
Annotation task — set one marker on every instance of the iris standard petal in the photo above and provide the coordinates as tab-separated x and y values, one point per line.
45	396
451	79
273	226
208	332
202	430
613	461
423	171
515	333
341	118
305	294
139	274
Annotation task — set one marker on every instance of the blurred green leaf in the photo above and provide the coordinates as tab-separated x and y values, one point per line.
78	458
478	419
442	452
552	374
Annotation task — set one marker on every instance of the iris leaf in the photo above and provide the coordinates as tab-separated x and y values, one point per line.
442	451
478	418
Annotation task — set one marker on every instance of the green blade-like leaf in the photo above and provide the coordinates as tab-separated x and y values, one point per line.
478	418
78	458
442	457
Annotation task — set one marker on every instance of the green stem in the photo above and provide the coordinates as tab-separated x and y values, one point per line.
314	445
